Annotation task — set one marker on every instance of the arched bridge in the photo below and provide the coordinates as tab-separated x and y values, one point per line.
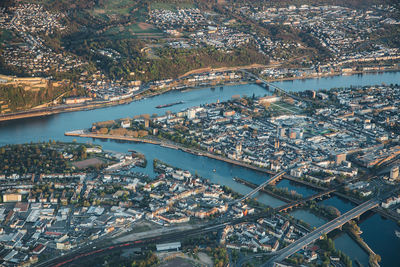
303	201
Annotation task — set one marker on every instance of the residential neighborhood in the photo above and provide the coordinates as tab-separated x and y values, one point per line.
206	133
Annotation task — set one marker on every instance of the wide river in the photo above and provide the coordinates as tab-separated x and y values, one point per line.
377	232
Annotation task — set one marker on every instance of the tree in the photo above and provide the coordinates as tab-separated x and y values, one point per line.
103	130
146	116
374	259
82	152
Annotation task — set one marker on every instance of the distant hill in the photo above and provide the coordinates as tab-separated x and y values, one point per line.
347	3
18	94
143	51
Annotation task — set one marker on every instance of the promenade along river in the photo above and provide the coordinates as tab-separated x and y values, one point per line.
377	232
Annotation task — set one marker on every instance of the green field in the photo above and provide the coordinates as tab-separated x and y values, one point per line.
285	108
115	7
171	6
133	31
5	35
137	28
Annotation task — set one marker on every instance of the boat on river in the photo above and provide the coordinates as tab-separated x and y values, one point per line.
169	105
397	233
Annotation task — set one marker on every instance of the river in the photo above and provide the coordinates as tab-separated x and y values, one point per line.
53	127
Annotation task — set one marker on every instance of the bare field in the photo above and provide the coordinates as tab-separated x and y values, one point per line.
145	26
87	163
177	262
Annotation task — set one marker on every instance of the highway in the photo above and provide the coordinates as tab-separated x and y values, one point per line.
322	230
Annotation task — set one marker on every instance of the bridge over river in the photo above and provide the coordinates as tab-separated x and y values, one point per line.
322	230
258	188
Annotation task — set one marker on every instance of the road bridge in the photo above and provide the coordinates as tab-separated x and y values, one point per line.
258	188
322	230
280	90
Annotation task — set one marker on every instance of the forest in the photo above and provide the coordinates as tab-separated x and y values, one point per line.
39	158
16	98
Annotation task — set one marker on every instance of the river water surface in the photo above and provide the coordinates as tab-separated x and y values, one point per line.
377	232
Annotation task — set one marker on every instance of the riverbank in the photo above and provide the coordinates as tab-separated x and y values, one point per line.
264	190
352	234
372	255
35	112
169	144
61	109
161	92
82	133
378	232
330	74
144	94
